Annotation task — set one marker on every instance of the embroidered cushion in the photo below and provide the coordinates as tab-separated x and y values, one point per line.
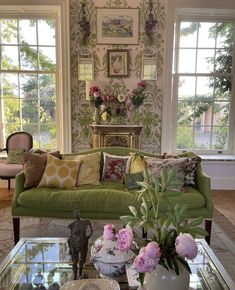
60	173
14	156
115	167
131	180
138	163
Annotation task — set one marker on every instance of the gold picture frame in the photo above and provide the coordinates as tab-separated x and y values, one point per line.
118	63
117	26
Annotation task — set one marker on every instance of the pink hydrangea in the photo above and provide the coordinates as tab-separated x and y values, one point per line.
153	251
109	232
143	263
148	258
186	246
124	239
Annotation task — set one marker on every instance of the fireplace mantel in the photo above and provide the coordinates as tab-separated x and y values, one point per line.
116	135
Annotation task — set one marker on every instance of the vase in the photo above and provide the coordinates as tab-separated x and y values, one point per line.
96	116
162	279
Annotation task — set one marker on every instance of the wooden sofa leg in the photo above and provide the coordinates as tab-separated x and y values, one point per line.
16	229
9	184
208	225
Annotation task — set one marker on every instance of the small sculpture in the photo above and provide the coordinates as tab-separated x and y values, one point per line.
81	231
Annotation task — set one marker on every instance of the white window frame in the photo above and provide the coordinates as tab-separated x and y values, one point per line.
209	10
60	10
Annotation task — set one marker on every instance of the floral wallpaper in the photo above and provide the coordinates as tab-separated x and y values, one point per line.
151	110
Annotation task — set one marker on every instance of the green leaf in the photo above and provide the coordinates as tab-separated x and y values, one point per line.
195	222
184	263
141	278
176	266
133	210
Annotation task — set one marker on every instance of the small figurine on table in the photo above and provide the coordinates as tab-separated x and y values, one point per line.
81	231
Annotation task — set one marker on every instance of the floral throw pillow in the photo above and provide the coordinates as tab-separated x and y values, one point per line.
190	170
114	169
14	156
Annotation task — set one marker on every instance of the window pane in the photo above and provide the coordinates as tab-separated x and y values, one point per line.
223	61
188	34
47	58
205	38
12	128
223	88
221	113
28	86
9	85
202	138
185	113
184	137
27	31
186	66
10	58
11	110
8	31
205	61
186	88
46	32
220	137
47	86
204	88
28	57
225	34
30	111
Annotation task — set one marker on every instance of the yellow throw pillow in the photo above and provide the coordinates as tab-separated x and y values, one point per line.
138	163
60	173
89	172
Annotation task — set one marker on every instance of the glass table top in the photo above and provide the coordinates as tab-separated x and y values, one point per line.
45	263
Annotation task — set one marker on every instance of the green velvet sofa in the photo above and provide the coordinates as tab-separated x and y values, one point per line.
108	201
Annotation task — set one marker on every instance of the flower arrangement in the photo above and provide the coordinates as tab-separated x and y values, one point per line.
120	107
167	240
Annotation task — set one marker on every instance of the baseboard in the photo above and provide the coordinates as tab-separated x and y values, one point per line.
222	183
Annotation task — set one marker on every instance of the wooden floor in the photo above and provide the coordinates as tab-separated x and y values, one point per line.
5	197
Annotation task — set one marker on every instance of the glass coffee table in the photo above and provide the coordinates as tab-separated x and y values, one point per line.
44	263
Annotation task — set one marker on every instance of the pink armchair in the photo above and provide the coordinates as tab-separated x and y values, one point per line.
19	140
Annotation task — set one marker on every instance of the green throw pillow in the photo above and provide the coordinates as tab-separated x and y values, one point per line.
14	156
131	180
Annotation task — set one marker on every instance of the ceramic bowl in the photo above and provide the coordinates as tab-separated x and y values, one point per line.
107	259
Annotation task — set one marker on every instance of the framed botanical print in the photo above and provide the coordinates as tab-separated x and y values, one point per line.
118	63
117	26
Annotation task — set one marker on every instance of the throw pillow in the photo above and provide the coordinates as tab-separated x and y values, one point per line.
138	163
89	172
190	170
60	173
155	165
115	167
14	156
131	179
34	166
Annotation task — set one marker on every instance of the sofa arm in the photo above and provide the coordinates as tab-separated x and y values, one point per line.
204	185
19	187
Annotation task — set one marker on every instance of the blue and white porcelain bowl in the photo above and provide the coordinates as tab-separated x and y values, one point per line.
107	259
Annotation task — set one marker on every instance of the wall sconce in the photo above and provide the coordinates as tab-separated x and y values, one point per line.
151	20
84	23
149	69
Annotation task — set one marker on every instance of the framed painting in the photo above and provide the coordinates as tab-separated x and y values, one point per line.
117	26
118	63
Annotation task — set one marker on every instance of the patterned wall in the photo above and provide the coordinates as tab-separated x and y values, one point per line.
151	109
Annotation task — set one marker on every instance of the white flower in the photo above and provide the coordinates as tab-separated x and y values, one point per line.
121	98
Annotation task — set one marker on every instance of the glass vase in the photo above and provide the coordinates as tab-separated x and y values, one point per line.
162	279
96	116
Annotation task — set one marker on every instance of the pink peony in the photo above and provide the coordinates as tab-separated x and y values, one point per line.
143	263
103	107
124	239
153	251
105	98
142	84
186	246
109	232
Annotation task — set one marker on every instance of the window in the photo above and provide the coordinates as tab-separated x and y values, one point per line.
203	84
28	78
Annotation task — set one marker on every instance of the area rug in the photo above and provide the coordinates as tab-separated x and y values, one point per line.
222	238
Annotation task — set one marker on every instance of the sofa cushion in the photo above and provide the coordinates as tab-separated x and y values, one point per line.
34	166
108	198
60	173
89	172
155	165
115	167
131	180
138	163
14	156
